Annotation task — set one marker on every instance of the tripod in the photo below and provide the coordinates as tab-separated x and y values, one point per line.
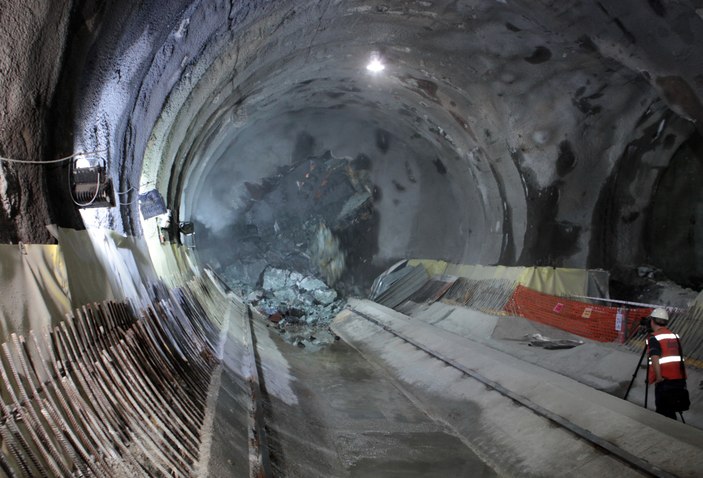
634	375
646	380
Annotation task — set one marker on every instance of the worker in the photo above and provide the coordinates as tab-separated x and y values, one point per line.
666	367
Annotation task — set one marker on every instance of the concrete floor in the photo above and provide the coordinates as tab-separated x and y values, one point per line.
332	413
514	440
607	367
373	405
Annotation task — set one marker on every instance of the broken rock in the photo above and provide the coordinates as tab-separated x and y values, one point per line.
311	283
276	279
285	295
255	296
325	297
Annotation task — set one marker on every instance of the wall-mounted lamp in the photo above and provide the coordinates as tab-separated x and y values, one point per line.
91	186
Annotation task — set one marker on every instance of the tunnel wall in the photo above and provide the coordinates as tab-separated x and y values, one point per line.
32	41
559	117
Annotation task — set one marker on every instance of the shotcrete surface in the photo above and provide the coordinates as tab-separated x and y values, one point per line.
658	440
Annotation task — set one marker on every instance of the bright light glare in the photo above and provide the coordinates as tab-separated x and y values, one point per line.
82	162
375	65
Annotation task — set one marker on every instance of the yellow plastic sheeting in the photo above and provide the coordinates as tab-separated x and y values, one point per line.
98	269
433	267
468	271
477	272
562	282
549	280
35	290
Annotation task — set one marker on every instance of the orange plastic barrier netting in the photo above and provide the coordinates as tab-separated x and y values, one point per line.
604	324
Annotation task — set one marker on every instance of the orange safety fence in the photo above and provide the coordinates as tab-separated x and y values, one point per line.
596	322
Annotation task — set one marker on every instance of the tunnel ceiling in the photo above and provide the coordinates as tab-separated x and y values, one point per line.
500	132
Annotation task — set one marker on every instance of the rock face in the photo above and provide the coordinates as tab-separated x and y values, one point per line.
296	219
556	144
32	41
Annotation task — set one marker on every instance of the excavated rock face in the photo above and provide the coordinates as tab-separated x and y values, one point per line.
562	133
32	38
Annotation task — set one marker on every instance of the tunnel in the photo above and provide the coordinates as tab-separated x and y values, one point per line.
334	206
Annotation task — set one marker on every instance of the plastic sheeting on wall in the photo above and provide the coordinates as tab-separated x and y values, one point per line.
560	282
549	280
171	263
35	290
96	269
41	283
473	272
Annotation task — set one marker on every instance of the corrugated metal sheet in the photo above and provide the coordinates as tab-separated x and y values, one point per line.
430	292
486	295
401	289
387	278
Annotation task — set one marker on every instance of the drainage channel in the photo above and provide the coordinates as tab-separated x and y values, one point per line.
598	442
259	458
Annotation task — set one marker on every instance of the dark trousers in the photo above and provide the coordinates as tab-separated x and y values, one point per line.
662	396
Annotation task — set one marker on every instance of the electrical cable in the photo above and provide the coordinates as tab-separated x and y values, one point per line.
131	188
128	203
23	161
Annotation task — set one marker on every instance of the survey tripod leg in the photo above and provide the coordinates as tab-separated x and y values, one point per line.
646	377
634	375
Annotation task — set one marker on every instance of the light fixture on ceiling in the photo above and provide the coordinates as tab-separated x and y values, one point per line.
375	65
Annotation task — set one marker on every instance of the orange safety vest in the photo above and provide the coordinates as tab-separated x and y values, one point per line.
671	361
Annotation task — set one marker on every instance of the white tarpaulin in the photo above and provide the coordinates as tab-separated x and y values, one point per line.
41	283
35	290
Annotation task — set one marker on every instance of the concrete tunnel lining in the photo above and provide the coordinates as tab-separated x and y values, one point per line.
500	133
518	187
165	65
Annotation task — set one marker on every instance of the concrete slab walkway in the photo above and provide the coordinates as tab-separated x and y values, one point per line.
664	444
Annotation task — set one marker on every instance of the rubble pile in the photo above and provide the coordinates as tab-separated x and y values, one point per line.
300	307
315	216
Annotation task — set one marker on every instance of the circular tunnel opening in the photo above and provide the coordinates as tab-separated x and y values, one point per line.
340	191
478	136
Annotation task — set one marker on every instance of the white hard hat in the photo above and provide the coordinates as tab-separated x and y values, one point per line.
660	314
